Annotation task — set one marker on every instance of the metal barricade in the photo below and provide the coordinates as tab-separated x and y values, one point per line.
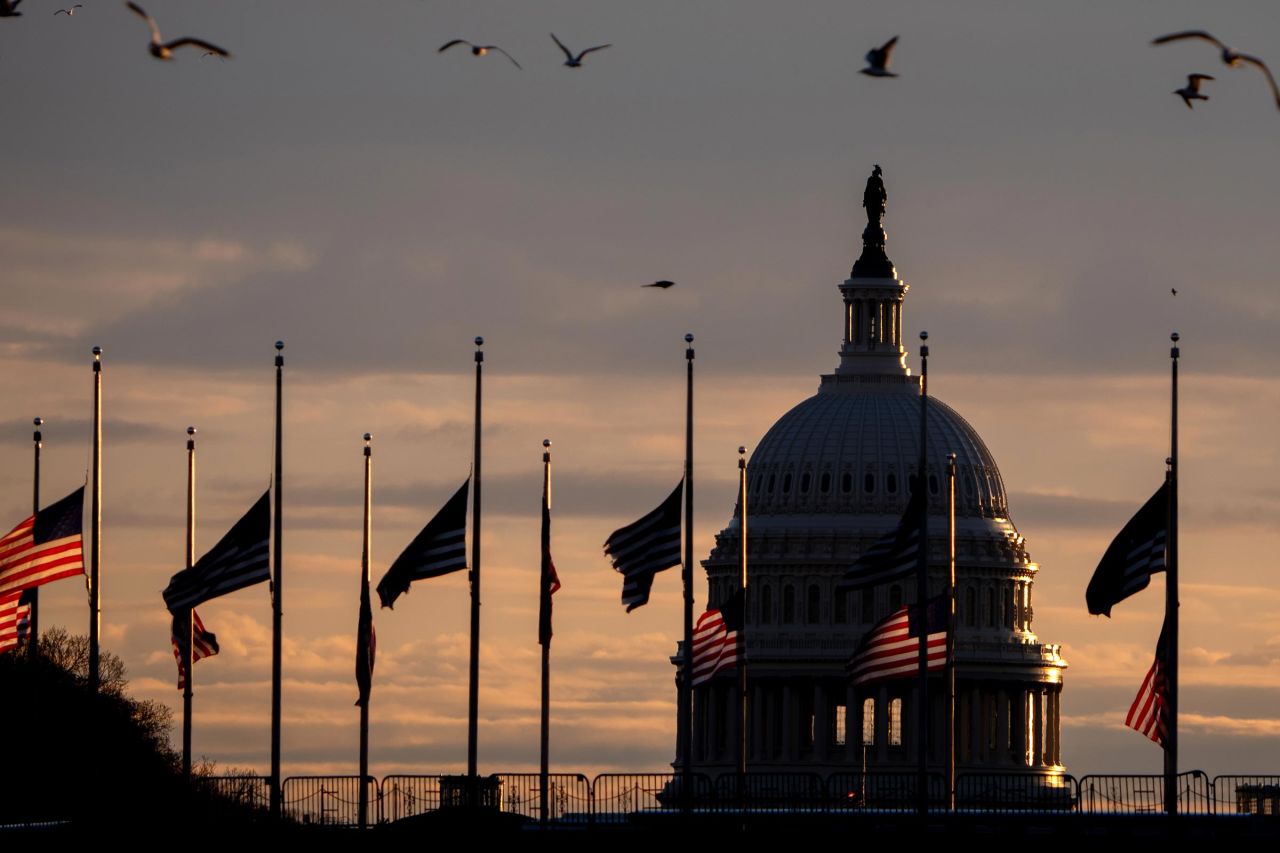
996	793
1257	795
1143	794
328	800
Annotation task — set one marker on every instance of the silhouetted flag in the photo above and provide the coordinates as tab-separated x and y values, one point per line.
240	559
45	547
205	643
717	643
24	614
439	549
9	618
366	646
645	547
1150	713
549	579
1137	551
892	648
893	556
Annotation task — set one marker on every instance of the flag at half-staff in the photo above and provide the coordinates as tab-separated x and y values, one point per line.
892	648
550	579
645	547
15	616
204	642
240	559
366	646
1149	714
717	640
441	548
45	547
1137	552
893	556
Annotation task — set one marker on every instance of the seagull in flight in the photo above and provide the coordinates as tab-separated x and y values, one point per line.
69	12
1191	91
576	61
664	284
479	50
1230	56
9	9
164	50
878	60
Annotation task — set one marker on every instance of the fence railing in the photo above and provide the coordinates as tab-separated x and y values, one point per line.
616	798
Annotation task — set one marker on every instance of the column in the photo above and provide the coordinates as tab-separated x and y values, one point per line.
1001	757
1037	733
897	326
882	726
755	722
1018	727
975	725
1056	724
853	724
821	722
681	718
789	724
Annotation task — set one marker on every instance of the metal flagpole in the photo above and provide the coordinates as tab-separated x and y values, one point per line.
95	552
365	558
473	712
742	630
922	585
1171	598
187	648
277	589
951	631
33	619
544	603
686	685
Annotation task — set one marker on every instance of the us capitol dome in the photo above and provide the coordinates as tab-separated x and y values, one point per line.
827	480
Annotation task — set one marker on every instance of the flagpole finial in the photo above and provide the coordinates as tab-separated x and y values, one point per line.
546	442
191	430
368	444
688	338
97	353
279	353
38	421
279	345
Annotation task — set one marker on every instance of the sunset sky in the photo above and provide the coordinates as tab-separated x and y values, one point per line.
342	187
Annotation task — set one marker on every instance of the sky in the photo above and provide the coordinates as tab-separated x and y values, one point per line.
341	186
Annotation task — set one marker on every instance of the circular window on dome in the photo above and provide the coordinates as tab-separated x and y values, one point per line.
804	483
824	485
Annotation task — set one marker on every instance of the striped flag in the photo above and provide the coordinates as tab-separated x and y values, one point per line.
205	643
441	548
366	646
240	559
892	648
15	620
1149	714
645	547
717	640
46	547
1134	555
893	556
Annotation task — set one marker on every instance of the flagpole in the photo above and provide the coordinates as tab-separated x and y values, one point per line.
364	593
1171	596
277	589
742	631
473	712
922	585
544	603
686	745
187	649
95	552
951	631
33	623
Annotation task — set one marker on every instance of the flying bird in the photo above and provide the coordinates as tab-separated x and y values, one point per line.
1191	91
664	284
479	50
1230	56
70	11
878	60
576	61
9	9
1174	291
164	50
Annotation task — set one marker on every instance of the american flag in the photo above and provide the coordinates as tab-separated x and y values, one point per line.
15	616
891	557
240	559
205	645
645	547
441	548
550	578
46	547
1149	713
717	640
1134	555
892	648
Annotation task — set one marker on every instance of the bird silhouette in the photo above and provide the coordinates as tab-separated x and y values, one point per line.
1191	91
664	284
576	61
1174	291
878	60
479	50
1230	56
162	49
9	9
69	12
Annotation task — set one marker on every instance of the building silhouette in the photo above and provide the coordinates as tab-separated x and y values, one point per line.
827	480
